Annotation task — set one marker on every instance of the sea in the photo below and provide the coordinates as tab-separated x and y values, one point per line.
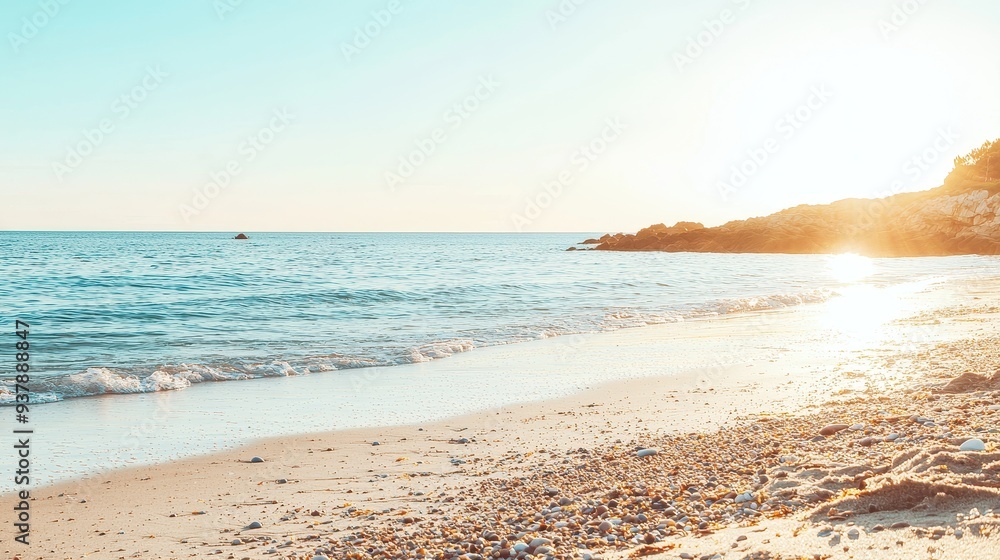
150	347
146	312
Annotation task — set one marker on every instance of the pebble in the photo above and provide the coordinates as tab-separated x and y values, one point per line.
832	429
899	525
256	460
857	427
254	525
237	542
974	444
744	497
647	452
376	443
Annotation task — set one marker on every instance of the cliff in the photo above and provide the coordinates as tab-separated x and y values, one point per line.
960	217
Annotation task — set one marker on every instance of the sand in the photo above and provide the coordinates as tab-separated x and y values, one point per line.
738	469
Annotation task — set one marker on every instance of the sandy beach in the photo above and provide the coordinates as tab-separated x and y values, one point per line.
811	452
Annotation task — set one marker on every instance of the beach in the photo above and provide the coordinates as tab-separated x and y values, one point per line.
727	457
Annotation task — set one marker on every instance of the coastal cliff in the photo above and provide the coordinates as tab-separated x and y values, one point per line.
960	217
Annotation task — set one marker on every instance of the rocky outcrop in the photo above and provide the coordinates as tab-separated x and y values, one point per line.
960	217
241	236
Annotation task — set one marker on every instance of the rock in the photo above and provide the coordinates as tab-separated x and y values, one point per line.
857	427
899	525
974	444
535	543
868	441
376	443
958	217
237	542
256	460
571	249
832	429
605	526
853	534
647	452
254	525
241	236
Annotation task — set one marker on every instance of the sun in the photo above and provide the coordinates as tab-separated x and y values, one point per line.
849	268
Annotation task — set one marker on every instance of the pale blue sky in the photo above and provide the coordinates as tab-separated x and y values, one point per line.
890	94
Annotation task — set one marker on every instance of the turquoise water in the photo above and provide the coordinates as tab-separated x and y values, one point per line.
145	312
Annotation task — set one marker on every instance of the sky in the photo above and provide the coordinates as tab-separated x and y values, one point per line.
521	116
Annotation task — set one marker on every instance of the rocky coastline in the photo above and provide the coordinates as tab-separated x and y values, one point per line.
958	218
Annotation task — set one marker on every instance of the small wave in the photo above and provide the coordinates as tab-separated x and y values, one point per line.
764	303
103	381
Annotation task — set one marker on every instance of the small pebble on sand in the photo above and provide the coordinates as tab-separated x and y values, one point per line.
974	444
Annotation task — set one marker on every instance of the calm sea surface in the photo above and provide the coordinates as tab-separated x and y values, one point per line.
144	312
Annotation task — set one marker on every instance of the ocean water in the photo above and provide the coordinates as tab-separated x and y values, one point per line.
149	312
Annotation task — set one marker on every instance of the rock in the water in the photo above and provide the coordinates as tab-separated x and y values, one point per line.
241	236
832	429
974	444
256	460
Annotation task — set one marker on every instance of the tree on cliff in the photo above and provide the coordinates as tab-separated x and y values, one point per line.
982	163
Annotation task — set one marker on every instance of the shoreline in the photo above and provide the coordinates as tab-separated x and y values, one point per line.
427	470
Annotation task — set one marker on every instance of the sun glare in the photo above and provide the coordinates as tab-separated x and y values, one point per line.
849	268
